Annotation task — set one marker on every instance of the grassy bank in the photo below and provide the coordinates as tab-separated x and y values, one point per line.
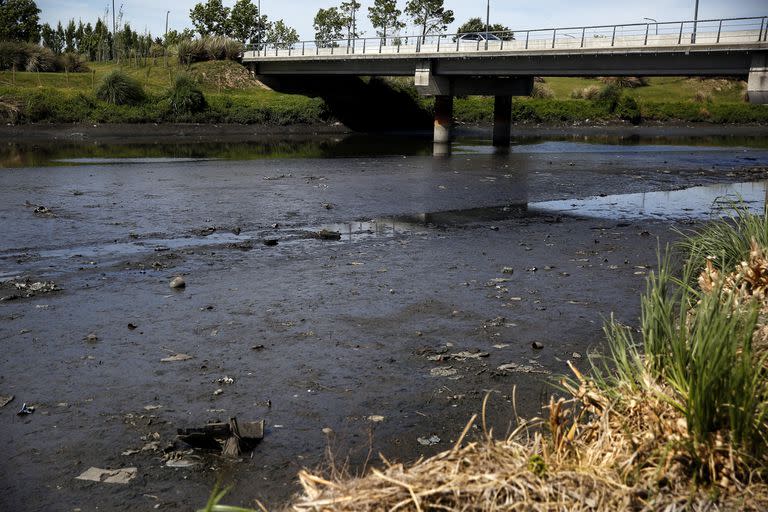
675	419
232	97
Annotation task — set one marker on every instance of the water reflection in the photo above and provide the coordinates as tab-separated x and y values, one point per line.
24	154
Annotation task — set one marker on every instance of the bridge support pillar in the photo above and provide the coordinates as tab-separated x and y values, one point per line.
502	120
443	119
757	87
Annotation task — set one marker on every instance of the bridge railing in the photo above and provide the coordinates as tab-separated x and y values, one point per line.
663	34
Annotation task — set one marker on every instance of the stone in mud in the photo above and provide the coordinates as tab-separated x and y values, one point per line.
325	234
109	476
177	283
537	346
270	242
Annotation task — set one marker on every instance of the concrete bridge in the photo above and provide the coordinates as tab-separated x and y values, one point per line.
446	65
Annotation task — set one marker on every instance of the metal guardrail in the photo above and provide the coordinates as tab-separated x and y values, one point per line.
664	34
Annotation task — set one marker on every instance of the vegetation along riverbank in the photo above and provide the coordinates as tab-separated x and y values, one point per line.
224	92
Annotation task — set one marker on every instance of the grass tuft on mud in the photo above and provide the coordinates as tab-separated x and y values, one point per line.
677	420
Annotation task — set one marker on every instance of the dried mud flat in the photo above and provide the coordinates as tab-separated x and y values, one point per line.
441	288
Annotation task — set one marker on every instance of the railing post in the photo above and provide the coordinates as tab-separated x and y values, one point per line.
381	43
438	44
613	38
765	32
527	36
478	45
554	37
762	27
418	45
332	47
647	28
457	44
719	30
680	37
276	50
303	47
363	46
583	35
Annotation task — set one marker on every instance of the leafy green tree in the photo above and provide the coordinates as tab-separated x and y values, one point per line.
478	25
281	35
210	18
385	16
174	37
246	23
19	21
328	24
59	39
69	37
48	36
430	15
348	11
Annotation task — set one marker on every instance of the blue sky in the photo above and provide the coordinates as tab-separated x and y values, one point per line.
150	14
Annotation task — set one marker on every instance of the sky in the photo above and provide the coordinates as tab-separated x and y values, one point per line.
149	15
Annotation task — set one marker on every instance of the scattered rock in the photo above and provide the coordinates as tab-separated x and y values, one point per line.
109	476
507	270
376	418
5	400
132	327
226	380
218	392
91	338
576	355
325	234
270	242
537	346
177	283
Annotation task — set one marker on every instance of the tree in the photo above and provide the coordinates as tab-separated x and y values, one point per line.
210	18
246	23
348	11
174	37
478	25
281	35
19	21
430	15
385	16
328	25
69	37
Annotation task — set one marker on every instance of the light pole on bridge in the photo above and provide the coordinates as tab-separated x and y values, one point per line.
487	21
656	22
695	22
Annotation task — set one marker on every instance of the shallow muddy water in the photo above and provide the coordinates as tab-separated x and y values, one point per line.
350	344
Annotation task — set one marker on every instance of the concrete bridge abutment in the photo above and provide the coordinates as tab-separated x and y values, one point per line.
445	87
757	86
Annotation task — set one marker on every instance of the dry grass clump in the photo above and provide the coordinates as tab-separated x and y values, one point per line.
542	91
587	93
625	82
702	97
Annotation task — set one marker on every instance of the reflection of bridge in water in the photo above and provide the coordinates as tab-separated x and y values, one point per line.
445	66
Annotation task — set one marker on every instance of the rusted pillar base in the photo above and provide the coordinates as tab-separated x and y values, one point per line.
502	120
443	119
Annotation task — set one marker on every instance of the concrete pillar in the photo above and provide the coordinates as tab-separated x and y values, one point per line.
502	120
757	86
443	119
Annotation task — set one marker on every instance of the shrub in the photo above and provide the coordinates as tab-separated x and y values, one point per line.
542	91
587	93
13	55
209	48
702	97
118	88
625	82
185	96
71	62
609	96
628	110
191	51
41	59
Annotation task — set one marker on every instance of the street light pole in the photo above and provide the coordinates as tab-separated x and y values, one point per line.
654	21
487	21
114	30
261	26
165	41
695	22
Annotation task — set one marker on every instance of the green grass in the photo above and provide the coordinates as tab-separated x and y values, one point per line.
696	351
233	98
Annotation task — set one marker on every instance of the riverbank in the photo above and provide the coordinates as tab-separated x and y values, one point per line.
233	97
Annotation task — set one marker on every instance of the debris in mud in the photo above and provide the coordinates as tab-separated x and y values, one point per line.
532	367
246	245
25	409
226	380
459	356
329	206
40	210
376	418
26	288
270	242
5	400
109	476
231	438
175	358
443	371
181	461
132	327
279	177
91	338
325	234
537	346
507	270
428	441
177	283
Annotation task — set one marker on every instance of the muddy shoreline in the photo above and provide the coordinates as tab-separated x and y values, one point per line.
447	269
184	133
